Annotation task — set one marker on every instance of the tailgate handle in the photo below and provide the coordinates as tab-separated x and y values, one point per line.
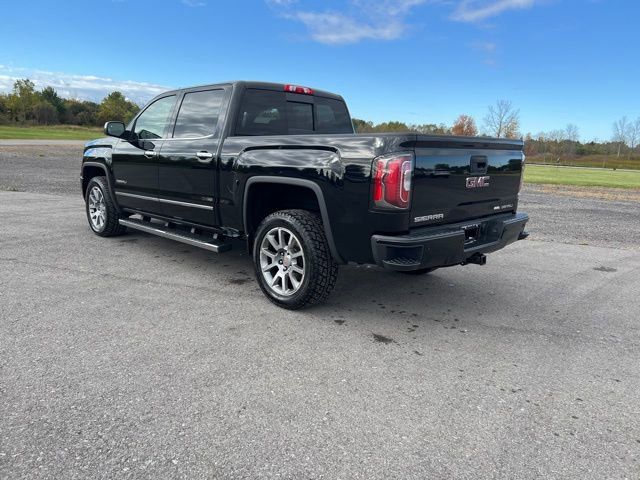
478	165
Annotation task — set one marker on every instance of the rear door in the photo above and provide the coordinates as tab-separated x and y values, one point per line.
188	162
461	179
135	162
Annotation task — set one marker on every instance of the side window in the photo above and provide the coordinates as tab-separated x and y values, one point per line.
152	122
332	116
262	112
300	116
198	114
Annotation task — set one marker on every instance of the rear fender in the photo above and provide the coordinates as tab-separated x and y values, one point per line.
314	187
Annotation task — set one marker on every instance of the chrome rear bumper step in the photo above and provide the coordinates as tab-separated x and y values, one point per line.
177	235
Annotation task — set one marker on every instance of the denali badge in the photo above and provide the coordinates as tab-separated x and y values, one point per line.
478	182
503	207
426	218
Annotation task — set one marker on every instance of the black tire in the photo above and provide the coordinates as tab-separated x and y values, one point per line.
421	271
110	227
320	270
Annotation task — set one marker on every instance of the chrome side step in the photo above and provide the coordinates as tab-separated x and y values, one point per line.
177	235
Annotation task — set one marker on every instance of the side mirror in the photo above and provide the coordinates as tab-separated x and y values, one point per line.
114	129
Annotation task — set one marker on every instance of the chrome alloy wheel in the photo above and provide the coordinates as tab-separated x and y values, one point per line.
97	209
282	261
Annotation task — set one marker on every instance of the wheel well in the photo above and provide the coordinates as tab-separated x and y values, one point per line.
266	198
88	173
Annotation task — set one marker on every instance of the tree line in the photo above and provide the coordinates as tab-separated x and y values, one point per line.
27	106
563	146
502	121
560	146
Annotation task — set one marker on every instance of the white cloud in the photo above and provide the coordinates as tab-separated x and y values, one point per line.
478	10
336	28
194	3
281	3
488	47
488	50
394	7
82	87
383	19
365	19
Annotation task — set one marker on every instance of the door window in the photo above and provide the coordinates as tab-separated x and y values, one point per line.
152	122
198	115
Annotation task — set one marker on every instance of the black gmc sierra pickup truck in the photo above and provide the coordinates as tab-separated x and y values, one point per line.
281	167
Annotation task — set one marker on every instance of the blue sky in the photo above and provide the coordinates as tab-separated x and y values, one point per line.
417	61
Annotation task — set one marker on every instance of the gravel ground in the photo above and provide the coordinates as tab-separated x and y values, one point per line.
568	215
136	357
41	168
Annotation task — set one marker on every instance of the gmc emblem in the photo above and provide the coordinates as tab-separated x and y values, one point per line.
478	182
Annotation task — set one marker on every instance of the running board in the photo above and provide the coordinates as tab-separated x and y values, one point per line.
179	236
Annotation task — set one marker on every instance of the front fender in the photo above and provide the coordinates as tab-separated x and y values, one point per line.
97	156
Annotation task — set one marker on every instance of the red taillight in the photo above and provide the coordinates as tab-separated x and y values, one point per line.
298	89
392	181
378	191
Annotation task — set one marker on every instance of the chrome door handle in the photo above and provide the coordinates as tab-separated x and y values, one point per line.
204	155
150	153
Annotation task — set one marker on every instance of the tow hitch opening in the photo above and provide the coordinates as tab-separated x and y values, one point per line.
471	233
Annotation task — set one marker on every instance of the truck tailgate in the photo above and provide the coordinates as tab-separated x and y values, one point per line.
464	179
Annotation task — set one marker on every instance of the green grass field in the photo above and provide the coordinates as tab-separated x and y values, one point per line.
596	161
581	177
58	132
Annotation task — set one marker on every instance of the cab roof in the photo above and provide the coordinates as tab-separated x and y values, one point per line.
242	84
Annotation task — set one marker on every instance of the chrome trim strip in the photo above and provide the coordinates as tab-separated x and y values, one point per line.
165	200
185	204
133	195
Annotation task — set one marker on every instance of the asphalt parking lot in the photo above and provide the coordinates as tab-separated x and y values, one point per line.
136	357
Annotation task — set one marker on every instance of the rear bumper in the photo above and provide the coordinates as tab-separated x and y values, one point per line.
446	245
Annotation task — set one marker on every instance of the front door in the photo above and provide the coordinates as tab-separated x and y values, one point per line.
187	166
135	161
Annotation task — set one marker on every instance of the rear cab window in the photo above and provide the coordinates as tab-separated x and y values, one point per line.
269	112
